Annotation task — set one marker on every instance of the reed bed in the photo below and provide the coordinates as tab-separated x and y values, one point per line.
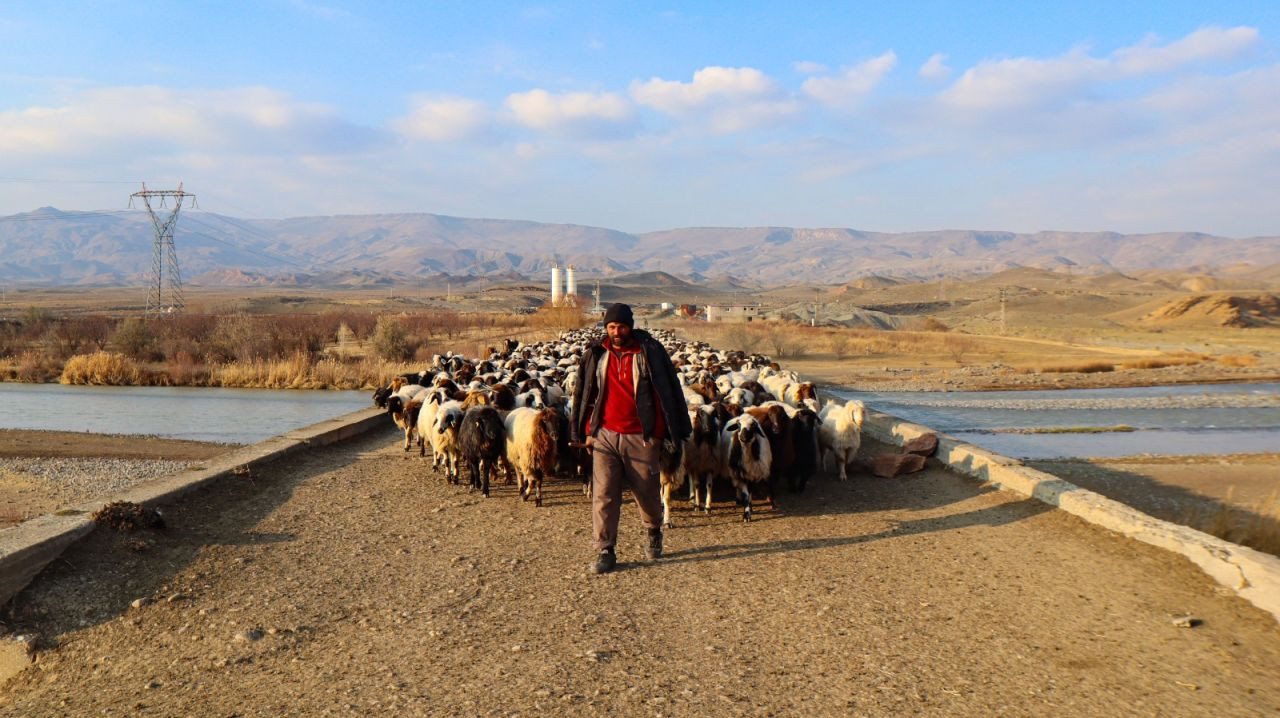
101	369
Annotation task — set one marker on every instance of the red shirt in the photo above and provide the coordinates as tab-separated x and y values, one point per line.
620	412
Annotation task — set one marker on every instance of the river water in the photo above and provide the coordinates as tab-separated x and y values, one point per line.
1169	420
1174	420
234	416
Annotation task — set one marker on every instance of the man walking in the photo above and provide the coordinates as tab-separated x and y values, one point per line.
628	401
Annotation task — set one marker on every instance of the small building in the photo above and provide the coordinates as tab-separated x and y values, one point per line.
738	313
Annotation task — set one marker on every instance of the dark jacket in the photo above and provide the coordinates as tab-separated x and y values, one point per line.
653	375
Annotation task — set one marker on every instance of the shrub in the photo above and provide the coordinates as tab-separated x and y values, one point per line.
100	368
36	367
389	340
132	337
840	343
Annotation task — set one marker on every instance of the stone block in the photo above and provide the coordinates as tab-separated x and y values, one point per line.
888	465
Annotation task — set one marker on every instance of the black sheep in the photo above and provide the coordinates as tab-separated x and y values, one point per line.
481	441
805	448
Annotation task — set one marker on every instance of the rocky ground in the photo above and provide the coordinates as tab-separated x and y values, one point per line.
350	581
41	471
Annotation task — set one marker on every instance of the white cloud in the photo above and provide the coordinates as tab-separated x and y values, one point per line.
809	68
1205	44
1024	81
853	83
571	113
730	99
935	68
130	119
710	85
443	119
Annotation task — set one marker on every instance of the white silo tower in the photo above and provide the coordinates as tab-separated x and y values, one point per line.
570	282
557	289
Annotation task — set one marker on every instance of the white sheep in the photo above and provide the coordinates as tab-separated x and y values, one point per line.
532	438
444	438
840	433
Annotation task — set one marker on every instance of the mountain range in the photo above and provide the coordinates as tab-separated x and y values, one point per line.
50	247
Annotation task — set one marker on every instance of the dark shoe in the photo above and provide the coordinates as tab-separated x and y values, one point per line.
604	562
654	549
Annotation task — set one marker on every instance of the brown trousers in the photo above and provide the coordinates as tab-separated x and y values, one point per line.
618	459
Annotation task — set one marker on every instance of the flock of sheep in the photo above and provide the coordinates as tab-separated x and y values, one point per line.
755	425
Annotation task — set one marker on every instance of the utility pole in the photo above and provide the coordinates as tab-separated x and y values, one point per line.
163	253
1003	298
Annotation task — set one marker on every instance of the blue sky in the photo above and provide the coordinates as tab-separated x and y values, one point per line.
1133	117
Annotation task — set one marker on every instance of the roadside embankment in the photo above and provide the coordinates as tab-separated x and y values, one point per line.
1253	575
27	548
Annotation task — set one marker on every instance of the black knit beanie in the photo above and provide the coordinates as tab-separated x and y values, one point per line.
620	313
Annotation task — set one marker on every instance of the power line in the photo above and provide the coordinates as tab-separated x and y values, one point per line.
250	250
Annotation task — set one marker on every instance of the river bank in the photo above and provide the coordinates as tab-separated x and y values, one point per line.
42	471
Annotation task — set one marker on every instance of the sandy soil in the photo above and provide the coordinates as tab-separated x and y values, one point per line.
27	442
350	581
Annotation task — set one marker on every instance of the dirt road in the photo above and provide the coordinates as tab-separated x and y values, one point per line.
352	582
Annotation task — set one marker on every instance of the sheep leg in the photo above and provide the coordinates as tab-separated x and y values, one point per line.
485	470
746	497
842	459
711	481
537	499
408	436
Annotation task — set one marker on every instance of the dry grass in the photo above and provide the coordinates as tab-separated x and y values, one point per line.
1162	362
101	369
1238	360
1256	526
1085	368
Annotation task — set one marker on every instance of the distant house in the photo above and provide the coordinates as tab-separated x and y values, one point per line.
733	313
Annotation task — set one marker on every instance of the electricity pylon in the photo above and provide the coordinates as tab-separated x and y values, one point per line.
163	253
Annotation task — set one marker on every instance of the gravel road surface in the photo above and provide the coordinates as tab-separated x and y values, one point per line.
351	581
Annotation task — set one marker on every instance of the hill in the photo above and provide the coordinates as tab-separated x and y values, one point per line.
50	247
